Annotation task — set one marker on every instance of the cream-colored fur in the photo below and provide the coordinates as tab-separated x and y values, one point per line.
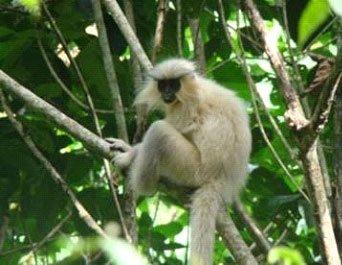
203	142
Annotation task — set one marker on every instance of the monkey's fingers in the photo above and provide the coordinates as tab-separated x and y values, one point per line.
118	145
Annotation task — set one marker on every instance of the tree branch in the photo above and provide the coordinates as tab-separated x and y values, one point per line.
122	22
75	66
252	226
158	35
224	224
60	81
3	229
297	121
137	77
295	114
179	28
198	43
227	229
110	72
90	139
323	107
83	213
300	87
254	92
233	240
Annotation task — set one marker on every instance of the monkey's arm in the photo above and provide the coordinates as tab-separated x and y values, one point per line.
163	151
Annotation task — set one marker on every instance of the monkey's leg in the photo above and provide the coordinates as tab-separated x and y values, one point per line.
164	151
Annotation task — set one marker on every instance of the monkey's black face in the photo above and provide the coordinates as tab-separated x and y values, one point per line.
168	89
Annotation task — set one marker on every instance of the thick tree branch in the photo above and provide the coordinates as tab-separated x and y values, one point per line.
122	22
233	240
337	169
300	87
90	139
75	66
83	213
116	97
295	114
129	200
224	224
337	157
297	120
227	229
254	92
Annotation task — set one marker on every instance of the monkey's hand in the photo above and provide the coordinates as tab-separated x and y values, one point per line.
123	152
118	145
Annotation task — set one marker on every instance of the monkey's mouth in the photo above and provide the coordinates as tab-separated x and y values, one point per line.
169	99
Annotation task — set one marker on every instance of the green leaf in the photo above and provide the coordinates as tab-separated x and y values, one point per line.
285	255
169	230
313	16
32	6
336	6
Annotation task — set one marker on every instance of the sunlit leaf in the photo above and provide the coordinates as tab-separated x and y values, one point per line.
123	253
33	6
336	6
316	12
285	255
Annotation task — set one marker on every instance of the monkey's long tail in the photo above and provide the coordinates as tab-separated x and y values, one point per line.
205	205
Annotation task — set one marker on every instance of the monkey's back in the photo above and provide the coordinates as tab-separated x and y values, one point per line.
224	137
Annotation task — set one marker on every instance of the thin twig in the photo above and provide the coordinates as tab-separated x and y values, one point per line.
47	238
252	226
324	104
110	72
253	90
83	213
295	114
94	115
149	237
3	230
299	124
141	119
179	28
75	65
61	83
158	35
330	23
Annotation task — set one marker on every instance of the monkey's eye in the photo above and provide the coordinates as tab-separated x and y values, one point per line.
169	85
175	84
162	84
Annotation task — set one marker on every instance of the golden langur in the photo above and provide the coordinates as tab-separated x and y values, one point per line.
204	142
